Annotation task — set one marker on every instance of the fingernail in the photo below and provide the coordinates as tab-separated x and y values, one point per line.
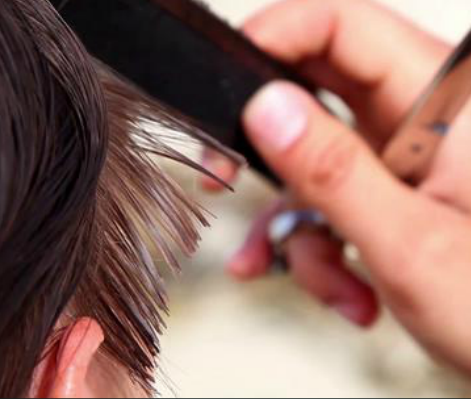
238	265
215	166
352	311
277	116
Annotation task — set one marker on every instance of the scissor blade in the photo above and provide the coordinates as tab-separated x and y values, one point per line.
411	152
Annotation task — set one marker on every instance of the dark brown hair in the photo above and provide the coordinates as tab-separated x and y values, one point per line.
83	205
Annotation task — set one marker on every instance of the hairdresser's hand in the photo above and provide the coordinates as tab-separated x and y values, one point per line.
416	243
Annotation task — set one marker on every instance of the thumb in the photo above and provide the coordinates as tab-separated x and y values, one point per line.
333	170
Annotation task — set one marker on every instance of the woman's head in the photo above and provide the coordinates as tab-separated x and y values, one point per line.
83	212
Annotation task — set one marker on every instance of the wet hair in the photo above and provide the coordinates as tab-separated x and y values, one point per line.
84	207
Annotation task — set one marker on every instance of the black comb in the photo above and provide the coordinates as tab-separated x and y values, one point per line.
183	55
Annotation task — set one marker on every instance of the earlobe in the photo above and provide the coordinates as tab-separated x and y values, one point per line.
63	373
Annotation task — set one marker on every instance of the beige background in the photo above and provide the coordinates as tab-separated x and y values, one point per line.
267	339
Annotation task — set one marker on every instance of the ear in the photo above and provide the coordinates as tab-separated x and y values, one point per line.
64	370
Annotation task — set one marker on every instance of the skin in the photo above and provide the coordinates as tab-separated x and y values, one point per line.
74	367
416	243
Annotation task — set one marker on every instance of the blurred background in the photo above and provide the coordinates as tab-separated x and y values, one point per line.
268	339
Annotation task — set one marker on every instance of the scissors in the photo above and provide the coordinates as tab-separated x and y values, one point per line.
413	148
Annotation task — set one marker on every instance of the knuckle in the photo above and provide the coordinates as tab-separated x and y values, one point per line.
330	164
